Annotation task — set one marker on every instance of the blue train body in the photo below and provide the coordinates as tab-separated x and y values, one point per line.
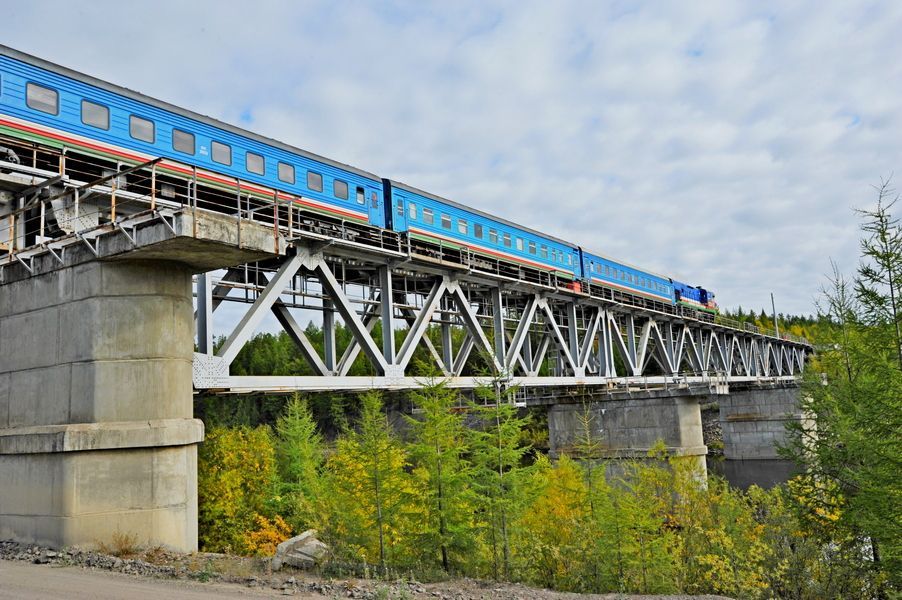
290	170
605	271
444	222
53	105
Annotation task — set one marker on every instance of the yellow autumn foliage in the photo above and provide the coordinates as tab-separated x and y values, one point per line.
264	540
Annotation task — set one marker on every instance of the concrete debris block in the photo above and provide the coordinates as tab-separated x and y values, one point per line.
302	551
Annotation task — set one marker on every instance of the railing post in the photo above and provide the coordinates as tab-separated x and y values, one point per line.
113	199
275	220
153	187
41	228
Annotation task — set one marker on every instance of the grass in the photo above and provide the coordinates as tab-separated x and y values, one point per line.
121	545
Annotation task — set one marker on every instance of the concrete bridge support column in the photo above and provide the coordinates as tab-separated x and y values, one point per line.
754	421
630	427
96	428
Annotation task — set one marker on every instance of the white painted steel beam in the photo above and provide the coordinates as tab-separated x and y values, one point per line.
252	318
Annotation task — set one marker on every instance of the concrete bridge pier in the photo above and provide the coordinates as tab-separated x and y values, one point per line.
753	423
97	434
628	426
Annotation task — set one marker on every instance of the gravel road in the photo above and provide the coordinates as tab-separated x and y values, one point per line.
30	572
24	581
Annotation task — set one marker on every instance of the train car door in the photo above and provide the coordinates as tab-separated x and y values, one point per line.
374	206
399	212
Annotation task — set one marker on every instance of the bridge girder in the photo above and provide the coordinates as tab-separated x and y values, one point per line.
471	330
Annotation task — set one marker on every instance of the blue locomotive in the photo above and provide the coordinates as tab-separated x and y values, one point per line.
57	107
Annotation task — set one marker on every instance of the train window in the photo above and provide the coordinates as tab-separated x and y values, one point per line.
222	153
507	240
400	208
544	251
340	189
532	247
315	183
412	211
477	230
361	197
286	174
141	129
183	141
95	115
520	244
428	216
493	236
42	98
446	221
463	227
254	163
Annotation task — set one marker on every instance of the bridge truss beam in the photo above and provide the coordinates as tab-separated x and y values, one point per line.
412	320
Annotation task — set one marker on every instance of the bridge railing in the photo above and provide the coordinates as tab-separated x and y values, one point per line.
86	195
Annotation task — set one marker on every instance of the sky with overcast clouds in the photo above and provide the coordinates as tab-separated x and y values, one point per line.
721	143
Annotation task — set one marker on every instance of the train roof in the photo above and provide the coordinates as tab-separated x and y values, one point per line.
410	188
626	264
138	96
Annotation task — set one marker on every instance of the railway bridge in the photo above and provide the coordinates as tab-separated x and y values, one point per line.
113	277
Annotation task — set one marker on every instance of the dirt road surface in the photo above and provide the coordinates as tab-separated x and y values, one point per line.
24	581
21	580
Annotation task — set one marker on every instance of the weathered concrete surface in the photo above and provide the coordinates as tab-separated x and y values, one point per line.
199	240
754	421
96	428
629	428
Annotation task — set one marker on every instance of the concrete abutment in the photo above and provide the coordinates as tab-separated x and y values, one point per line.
97	434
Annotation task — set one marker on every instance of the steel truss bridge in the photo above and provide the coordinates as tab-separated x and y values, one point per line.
476	319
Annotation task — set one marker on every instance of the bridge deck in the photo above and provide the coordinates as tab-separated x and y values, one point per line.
468	315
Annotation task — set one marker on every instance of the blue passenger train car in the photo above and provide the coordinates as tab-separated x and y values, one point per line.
56	107
446	223
604	271
59	107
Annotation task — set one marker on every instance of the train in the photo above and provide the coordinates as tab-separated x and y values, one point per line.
58	107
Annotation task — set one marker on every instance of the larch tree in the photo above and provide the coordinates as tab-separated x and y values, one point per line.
299	455
853	395
439	449
497	453
371	489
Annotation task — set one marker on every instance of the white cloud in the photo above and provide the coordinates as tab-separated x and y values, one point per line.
723	143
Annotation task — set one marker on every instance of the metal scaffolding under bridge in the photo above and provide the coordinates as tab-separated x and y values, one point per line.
473	317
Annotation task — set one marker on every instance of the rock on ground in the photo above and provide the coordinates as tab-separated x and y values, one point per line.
302	551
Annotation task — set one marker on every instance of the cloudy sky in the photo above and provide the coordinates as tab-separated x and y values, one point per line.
721	143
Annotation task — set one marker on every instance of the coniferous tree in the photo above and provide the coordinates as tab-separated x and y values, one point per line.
851	492
371	489
299	455
445	475
497	452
